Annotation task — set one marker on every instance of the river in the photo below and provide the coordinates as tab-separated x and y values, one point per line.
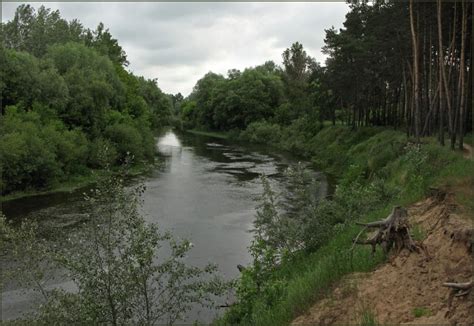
203	191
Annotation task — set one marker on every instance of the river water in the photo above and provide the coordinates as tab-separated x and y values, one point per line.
203	191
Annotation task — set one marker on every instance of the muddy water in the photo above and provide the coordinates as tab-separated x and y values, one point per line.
204	191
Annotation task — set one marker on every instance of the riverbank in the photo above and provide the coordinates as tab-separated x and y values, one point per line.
213	134
409	288
76	182
376	169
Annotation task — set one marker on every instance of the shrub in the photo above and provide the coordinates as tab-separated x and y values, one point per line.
28	155
127	141
262	132
101	153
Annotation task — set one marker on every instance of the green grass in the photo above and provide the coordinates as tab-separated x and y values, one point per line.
418	233
369	153
421	311
214	134
368	318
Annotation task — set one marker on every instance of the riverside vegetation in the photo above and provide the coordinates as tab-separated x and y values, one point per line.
126	271
373	118
66	93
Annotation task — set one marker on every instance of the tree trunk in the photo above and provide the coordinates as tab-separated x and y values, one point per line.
453	110
462	74
416	77
440	78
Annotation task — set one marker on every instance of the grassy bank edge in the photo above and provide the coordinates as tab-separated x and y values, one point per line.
213	134
74	183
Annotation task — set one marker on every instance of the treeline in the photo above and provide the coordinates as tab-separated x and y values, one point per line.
405	64
68	103
262	93
401	64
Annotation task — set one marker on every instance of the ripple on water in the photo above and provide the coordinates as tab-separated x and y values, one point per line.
268	169
235	165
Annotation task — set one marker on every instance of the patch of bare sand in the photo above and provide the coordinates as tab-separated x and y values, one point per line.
410	284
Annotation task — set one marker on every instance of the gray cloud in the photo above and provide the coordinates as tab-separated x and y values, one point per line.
179	42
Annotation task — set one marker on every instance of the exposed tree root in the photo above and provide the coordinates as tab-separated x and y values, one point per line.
393	233
459	289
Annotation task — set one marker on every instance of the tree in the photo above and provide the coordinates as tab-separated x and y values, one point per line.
105	44
399	64
69	94
297	70
416	77
203	94
92	82
33	31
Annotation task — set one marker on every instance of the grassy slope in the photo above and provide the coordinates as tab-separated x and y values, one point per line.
370	151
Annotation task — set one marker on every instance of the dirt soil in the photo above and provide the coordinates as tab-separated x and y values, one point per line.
408	289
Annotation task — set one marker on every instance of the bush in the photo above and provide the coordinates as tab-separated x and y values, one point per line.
28	156
298	134
101	153
262	132
71	148
127	141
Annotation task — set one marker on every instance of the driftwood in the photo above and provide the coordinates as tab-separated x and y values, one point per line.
392	232
459	289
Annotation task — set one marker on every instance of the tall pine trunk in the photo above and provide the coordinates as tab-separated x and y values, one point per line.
462	73
440	78
416	76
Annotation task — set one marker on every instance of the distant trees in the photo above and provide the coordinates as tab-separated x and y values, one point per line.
404	64
236	101
65	93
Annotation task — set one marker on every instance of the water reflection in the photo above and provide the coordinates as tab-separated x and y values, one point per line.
169	139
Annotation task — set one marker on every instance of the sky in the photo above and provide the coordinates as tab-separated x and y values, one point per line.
178	43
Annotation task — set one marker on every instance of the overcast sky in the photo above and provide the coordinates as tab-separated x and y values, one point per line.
179	42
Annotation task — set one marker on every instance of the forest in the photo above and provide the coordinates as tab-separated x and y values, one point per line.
65	96
403	65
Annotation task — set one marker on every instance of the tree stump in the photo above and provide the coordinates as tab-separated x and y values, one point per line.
392	233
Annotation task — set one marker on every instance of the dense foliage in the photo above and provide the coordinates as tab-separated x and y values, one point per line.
65	94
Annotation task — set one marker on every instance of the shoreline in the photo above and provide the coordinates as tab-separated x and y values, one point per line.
75	183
